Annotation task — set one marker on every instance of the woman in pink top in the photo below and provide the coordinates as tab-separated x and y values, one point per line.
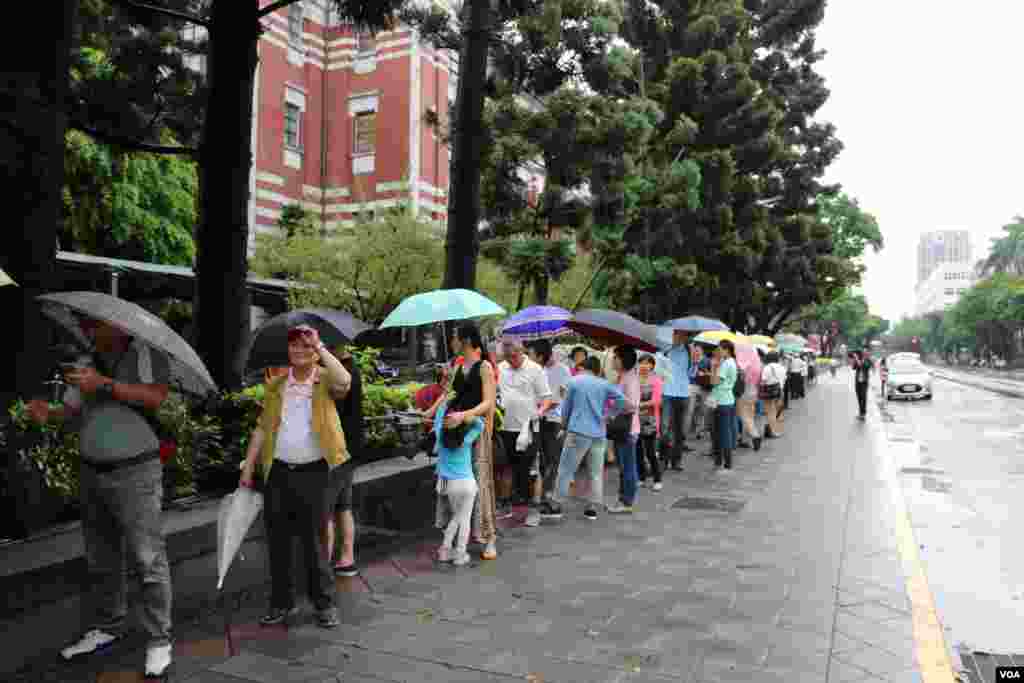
650	423
624	362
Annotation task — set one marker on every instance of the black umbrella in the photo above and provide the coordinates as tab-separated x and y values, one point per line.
615	329
269	346
188	373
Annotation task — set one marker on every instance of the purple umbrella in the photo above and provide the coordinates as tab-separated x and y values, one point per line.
537	322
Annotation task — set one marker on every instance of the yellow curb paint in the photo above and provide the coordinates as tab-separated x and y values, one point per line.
929	638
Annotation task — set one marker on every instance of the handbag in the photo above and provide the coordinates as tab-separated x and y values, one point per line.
770	392
620	426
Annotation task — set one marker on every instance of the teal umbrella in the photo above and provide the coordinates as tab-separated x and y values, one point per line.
439	306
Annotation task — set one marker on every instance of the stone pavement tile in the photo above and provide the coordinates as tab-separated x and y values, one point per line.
250	666
294	646
217	677
555	670
670	658
879	662
891	632
840	672
875	611
350	661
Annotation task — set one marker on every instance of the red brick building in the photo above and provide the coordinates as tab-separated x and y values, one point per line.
343	120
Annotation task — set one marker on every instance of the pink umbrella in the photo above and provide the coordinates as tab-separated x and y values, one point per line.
748	361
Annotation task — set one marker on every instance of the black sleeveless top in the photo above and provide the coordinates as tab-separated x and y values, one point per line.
469	388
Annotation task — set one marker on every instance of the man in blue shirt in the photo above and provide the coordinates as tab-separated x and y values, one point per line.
587	398
675	404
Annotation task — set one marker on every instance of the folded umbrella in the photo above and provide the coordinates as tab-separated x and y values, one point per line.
537	322
616	329
439	306
238	511
269	347
188	373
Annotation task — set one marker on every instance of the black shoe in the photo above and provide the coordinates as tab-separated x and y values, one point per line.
727	459
590	514
277	616
757	444
549	510
685	449
327	618
743	444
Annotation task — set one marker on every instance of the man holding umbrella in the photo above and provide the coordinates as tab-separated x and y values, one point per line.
121	487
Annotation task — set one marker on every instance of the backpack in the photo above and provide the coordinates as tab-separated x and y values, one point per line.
740	387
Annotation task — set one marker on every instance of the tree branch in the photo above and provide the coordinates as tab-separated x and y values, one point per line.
132	145
273	7
185	16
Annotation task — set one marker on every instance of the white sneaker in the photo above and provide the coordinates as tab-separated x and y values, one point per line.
657	486
461	560
157	660
90	642
533	517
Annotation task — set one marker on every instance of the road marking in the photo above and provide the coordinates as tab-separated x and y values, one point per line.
930	649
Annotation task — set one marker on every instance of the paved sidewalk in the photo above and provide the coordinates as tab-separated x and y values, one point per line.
784	570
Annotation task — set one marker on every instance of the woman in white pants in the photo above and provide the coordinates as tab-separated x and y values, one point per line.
456	487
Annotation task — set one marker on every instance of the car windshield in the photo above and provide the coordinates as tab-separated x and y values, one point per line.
906	368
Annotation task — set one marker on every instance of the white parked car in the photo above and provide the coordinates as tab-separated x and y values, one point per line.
908	378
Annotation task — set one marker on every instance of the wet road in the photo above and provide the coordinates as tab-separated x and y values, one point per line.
964	487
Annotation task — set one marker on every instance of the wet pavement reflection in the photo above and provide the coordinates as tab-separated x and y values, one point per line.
962	483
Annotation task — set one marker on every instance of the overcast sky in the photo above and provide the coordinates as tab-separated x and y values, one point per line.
928	100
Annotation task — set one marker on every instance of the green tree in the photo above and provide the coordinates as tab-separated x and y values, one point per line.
1006	255
366	271
133	205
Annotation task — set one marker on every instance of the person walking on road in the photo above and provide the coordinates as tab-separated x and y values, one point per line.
773	375
296	443
624	363
526	398
339	488
862	367
583	412
797	369
650	424
676	399
121	488
551	430
723	378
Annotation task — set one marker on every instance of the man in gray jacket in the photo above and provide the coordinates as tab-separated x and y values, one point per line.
121	489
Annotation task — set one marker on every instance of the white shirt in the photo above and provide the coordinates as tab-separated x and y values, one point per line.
297	443
773	373
522	391
797	366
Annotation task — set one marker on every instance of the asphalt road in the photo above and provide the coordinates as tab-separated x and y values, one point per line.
964	495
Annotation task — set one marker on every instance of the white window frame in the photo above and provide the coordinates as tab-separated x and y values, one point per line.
293	98
361	105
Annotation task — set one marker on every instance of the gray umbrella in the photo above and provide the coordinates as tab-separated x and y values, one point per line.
270	342
188	373
614	328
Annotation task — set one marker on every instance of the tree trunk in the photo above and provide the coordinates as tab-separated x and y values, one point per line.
462	243
222	299
540	288
32	159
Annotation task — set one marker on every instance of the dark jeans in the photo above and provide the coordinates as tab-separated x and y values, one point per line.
550	455
625	454
522	462
122	519
673	418
726	420
294	505
647	456
787	389
862	397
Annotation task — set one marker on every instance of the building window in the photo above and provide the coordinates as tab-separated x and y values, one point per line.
295	23
292	125
365	133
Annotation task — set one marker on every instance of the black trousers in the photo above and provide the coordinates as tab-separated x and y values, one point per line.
647	456
294	506
522	462
862	397
550	455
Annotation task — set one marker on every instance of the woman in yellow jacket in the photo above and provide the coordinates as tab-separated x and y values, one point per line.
296	443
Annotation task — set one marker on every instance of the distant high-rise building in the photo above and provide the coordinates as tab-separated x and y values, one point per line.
941	246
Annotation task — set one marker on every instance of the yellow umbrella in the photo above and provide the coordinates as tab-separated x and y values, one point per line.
762	339
715	336
5	279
